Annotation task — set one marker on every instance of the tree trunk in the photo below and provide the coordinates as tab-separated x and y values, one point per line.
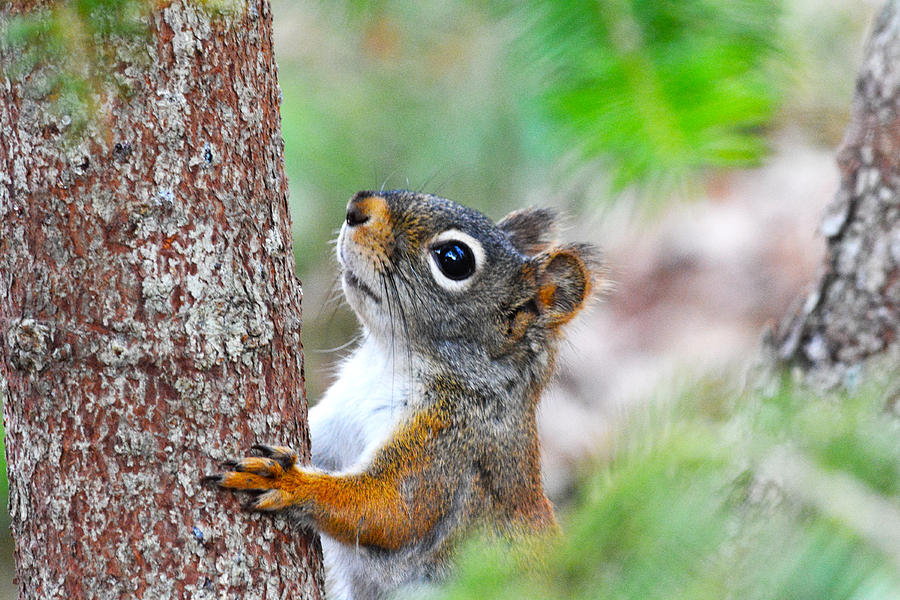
150	322
853	312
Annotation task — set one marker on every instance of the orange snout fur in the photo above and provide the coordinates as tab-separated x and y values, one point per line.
374	237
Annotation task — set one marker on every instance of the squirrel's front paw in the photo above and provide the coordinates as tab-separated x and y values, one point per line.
274	476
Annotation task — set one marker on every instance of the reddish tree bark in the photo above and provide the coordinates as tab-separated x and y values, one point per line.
852	314
150	321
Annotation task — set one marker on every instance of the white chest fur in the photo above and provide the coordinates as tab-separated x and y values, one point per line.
360	410
356	417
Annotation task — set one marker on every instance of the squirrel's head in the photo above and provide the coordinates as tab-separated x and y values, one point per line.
427	272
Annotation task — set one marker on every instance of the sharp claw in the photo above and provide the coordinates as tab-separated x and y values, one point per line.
214	479
264	449
282	455
231	464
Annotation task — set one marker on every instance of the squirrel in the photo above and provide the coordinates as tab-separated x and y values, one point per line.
430	428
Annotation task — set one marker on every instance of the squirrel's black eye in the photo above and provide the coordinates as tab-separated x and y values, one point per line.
455	260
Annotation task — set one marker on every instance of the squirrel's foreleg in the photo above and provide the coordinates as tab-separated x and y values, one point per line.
390	505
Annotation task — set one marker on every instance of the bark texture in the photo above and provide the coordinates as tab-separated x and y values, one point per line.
853	312
150	321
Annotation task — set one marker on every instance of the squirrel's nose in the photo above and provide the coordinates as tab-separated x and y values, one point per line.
355	214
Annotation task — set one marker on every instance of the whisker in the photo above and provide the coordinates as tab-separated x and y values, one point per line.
335	291
355	339
405	324
390	305
429	180
414	287
441	184
332	302
386	179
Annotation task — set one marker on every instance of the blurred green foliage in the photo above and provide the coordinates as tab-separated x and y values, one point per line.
66	52
657	90
722	495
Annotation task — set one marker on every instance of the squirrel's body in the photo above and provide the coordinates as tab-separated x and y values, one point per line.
429	429
372	401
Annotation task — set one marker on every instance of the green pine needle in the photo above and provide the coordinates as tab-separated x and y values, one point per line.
658	90
66	53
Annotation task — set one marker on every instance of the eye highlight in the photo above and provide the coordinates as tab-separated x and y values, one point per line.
455	260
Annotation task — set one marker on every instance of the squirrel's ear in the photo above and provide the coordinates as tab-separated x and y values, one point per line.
565	276
531	230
